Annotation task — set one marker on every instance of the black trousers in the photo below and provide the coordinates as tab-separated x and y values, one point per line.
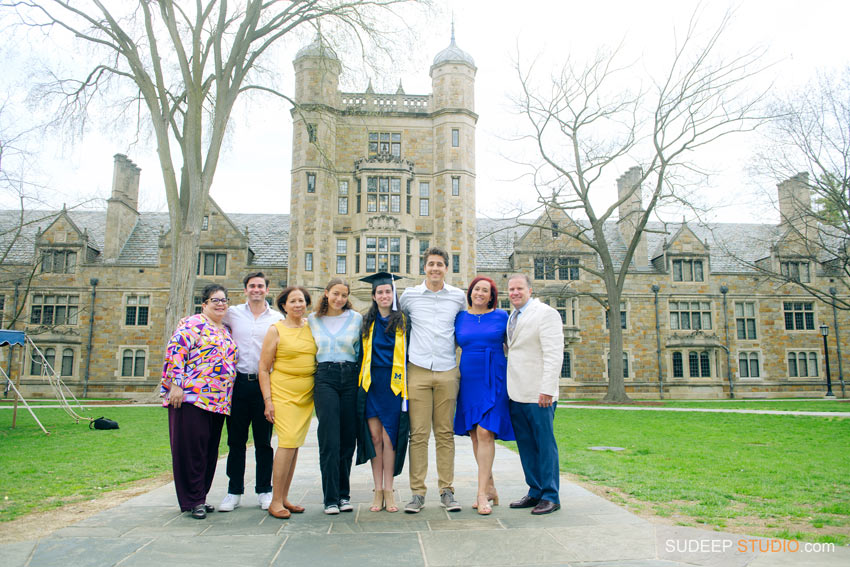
335	398
247	411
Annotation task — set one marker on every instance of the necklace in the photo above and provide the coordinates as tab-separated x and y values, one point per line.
479	315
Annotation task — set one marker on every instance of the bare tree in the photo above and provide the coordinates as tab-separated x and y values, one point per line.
808	144
187	64
585	123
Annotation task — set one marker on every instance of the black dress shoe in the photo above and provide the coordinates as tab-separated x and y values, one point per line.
199	512
545	507
209	508
525	502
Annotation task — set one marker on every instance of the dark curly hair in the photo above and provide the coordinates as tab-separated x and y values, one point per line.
396	318
281	299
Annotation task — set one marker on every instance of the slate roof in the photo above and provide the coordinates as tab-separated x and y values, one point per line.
731	245
268	235
23	248
495	244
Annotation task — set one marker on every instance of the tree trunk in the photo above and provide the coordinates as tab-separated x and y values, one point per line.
184	261
616	384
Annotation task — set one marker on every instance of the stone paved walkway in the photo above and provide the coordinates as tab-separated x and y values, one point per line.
587	531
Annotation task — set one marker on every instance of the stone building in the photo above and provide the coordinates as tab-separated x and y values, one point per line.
376	179
379	178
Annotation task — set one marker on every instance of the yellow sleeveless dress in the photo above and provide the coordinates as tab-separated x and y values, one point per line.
292	384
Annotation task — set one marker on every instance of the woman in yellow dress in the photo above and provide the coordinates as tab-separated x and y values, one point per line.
287	365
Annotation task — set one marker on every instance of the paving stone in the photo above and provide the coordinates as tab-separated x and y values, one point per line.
176	551
397	550
16	554
123	518
523	518
490	522
84	551
606	543
379	527
634	563
496	547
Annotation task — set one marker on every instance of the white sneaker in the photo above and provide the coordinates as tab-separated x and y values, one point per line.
264	498
230	502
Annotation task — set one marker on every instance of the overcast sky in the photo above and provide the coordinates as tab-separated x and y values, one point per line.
800	38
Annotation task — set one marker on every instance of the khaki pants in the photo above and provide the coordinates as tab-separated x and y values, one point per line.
433	396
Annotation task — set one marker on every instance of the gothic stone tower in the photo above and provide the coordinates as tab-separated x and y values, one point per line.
379	178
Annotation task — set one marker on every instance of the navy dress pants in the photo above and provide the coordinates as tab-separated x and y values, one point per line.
538	452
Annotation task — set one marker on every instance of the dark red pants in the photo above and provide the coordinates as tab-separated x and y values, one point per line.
195	435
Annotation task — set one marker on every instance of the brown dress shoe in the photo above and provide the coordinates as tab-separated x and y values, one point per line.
545	507
525	502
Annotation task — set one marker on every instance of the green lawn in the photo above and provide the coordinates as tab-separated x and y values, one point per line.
75	463
781	405
761	474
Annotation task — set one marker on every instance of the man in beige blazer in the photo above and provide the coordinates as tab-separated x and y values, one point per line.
535	355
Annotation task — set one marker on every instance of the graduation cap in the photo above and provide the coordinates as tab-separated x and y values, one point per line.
383	278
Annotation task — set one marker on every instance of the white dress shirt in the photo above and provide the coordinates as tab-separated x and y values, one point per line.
432	318
248	332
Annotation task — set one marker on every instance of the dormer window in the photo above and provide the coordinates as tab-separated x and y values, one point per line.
58	261
688	271
796	271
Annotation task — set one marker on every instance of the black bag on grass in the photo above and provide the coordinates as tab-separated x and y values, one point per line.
103	423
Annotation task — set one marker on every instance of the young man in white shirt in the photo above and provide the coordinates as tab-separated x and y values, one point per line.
433	377
248	324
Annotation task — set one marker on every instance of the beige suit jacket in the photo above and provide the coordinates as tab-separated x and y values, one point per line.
535	354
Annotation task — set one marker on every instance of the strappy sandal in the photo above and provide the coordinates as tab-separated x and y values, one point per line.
377	501
484	509
389	501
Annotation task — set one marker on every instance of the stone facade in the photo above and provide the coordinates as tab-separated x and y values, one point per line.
91	286
377	178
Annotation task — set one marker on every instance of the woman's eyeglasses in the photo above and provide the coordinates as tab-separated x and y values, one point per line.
218	300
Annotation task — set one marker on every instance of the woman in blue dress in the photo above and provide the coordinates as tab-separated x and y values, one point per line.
482	401
383	428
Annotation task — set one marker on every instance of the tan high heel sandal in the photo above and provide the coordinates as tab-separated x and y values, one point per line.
492	498
377	501
389	501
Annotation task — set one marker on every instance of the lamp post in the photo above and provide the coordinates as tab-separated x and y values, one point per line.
824	331
724	289
833	292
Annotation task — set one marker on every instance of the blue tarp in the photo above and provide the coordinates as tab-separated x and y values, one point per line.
12	337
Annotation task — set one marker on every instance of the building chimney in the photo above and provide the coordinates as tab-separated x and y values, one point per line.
630	213
121	207
795	204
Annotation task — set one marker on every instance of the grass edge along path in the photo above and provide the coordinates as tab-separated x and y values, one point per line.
74	463
771	475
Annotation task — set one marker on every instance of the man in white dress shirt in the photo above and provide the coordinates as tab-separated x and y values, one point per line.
433	377
248	324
